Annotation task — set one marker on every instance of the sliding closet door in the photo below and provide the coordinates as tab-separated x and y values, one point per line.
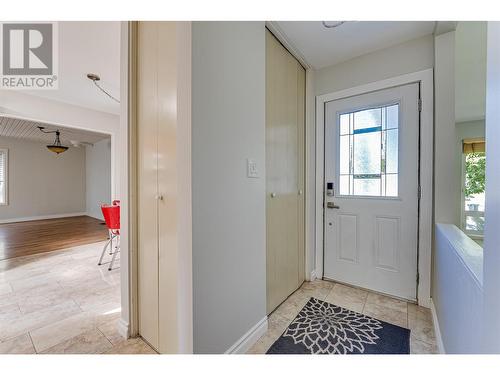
168	199
285	98
147	146
301	163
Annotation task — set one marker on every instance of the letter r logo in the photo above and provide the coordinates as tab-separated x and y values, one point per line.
27	49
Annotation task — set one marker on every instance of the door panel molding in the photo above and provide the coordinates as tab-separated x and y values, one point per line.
425	79
351	237
378	247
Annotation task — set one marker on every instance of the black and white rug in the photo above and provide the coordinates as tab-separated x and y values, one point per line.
323	328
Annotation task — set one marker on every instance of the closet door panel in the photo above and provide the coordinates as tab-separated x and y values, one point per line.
301	163
283	153
167	182
147	130
289	196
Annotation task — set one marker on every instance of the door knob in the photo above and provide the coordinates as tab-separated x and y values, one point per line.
159	197
273	195
300	192
332	205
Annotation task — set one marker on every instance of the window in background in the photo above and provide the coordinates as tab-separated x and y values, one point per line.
3	176
473	189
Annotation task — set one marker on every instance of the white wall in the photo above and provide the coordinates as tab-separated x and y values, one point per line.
408	57
98	177
447	180
470	70
458	290
229	229
42	183
491	337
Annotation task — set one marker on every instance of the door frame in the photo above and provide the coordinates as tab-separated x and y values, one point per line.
424	251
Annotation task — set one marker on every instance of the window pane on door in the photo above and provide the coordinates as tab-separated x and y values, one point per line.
367	186
391	156
368	152
369	118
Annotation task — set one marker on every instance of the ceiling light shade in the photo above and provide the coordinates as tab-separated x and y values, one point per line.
57	149
332	24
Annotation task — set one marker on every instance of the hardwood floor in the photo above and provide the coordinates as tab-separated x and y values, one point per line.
41	236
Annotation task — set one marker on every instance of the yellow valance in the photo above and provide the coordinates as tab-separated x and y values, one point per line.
473	145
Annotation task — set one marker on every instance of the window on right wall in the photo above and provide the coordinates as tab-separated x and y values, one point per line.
473	188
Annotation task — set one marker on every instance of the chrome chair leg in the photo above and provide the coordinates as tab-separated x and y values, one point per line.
108	243
111	236
114	255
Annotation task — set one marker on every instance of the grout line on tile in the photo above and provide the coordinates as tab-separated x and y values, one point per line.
106	337
32	343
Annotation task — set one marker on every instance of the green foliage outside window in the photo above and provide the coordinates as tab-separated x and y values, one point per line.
475	168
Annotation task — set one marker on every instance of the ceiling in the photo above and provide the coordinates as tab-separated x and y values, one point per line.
87	47
322	47
25	129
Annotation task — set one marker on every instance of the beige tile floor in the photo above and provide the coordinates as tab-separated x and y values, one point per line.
62	302
408	315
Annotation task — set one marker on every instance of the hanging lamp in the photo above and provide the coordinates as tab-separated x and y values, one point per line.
56	147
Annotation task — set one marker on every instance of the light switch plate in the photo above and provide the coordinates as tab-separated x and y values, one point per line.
252	170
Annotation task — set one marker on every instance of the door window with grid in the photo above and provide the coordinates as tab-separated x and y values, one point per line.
3	176
368	152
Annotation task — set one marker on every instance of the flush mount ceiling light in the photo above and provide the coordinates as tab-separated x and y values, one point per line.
78	144
56	147
332	24
95	79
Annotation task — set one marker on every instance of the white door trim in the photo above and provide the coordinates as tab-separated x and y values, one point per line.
425	78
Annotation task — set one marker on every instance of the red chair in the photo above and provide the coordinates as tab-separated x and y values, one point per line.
111	215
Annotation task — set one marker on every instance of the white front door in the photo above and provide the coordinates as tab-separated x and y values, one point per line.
371	190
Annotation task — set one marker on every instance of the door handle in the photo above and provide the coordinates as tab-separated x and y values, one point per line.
332	205
273	195
159	197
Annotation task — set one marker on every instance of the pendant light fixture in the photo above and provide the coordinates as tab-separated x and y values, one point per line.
56	147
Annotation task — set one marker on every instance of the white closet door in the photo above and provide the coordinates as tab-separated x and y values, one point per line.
147	147
167	183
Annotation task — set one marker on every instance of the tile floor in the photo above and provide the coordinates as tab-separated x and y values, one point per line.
62	302
408	315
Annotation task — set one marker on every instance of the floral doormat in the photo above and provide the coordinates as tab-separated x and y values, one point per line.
323	328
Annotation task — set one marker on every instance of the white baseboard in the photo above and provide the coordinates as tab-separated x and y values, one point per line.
437	330
425	302
42	217
312	277
248	339
123	329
